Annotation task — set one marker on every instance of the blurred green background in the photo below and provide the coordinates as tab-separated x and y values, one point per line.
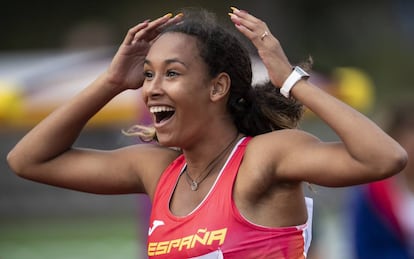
374	38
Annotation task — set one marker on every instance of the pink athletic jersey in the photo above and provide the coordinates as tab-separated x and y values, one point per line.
216	229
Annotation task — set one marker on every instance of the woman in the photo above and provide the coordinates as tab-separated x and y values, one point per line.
233	187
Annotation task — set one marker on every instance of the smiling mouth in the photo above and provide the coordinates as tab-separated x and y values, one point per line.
162	113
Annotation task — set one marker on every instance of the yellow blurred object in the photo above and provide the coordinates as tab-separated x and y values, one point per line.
354	87
11	103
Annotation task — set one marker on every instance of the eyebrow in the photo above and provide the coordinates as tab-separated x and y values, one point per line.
168	61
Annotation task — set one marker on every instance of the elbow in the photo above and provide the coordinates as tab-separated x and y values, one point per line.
394	163
15	163
402	160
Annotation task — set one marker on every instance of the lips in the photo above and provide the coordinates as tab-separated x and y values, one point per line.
162	113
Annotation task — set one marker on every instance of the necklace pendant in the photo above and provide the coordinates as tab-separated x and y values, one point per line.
194	186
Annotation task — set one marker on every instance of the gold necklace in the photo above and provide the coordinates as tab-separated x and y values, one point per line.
193	182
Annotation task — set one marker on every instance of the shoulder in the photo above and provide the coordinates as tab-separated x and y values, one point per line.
259	169
280	141
149	153
148	162
267	153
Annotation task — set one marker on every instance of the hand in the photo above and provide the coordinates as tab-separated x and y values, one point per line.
126	69
268	47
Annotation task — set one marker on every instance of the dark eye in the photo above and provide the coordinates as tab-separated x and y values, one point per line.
171	73
148	75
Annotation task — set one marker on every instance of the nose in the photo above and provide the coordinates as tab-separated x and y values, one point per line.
152	89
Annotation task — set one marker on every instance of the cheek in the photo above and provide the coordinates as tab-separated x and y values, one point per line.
193	88
144	90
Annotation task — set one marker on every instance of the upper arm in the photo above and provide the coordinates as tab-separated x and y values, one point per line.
133	169
294	155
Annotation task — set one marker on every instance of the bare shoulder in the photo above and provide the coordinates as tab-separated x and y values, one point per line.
150	152
278	142
267	155
260	190
148	161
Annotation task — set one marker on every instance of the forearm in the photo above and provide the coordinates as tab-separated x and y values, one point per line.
363	139
57	132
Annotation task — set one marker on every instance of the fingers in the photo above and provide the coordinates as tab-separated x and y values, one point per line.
177	18
131	32
268	46
252	27
156	31
148	30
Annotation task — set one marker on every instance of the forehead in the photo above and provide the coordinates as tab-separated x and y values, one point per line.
174	45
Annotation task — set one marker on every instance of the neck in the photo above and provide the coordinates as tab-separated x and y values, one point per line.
209	154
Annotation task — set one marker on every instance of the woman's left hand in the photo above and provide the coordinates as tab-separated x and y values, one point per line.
268	47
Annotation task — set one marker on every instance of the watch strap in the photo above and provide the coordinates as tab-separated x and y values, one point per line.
296	75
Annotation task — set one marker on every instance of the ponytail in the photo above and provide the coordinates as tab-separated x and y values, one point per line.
264	109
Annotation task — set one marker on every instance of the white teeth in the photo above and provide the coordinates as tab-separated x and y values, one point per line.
155	109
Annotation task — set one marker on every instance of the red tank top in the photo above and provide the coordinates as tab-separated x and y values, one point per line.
216	228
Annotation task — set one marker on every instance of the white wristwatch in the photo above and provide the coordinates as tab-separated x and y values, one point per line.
296	75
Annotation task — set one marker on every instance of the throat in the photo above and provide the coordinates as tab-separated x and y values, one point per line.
211	166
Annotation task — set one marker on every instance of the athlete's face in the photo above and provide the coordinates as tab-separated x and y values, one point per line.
176	89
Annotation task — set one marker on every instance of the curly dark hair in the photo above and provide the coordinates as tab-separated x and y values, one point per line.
255	110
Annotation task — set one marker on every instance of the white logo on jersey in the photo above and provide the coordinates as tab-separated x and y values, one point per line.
213	255
156	223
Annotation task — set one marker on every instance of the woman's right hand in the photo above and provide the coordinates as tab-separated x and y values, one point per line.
126	69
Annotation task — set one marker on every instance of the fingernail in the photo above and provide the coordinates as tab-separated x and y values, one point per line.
230	14
168	15
234	9
179	15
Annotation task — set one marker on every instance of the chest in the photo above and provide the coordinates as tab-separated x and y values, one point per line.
184	200
185	223
243	184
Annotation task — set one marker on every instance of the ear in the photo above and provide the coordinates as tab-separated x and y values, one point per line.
220	87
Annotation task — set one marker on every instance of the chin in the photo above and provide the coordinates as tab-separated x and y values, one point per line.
165	141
